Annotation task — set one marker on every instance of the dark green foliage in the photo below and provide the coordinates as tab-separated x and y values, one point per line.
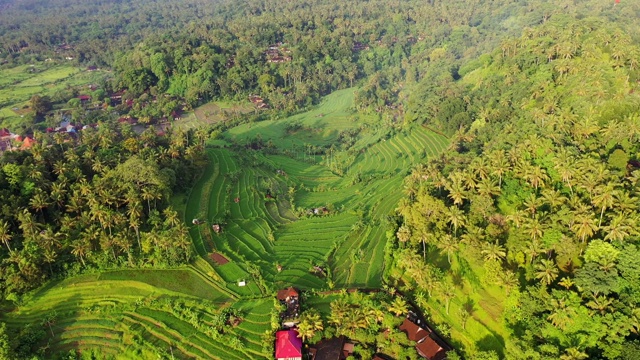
552	146
99	202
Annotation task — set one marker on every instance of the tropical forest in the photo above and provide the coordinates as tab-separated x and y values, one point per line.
320	179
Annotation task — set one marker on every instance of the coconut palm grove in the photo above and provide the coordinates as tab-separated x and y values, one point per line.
320	179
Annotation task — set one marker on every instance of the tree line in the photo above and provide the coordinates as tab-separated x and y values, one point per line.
99	201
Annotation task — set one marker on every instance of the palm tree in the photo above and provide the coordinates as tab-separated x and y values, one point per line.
58	192
39	201
456	218
398	307
584	226
80	249
5	235
493	252
49	257
171	216
310	323
403	234
456	190
339	310
573	353
149	194
600	304
536	176
28	225
546	271
618	228
533	228
604	198
499	165
449	245
488	187
447	293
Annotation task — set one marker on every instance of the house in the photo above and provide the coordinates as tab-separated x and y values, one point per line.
5	144
4	133
430	349
413	331
27	143
331	349
290	298
381	357
84	98
92	68
428	344
288	345
287	294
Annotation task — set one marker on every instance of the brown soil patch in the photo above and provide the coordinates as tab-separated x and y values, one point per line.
219	259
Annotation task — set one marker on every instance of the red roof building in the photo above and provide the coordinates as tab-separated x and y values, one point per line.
428	344
331	349
286	294
413	331
4	133
27	143
288	345
431	350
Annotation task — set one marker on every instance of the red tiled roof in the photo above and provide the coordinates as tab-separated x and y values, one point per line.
28	143
284	294
413	331
430	349
288	344
4	132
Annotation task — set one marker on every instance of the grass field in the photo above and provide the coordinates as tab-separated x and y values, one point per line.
484	330
19	84
212	113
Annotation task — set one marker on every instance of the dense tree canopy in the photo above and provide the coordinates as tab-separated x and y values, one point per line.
100	202
542	187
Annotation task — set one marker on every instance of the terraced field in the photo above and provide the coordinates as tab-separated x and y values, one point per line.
133	319
280	212
260	233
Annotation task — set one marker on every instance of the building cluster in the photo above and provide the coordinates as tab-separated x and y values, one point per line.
258	102
277	53
288	344
10	141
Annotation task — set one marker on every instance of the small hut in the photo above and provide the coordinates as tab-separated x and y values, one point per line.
216	228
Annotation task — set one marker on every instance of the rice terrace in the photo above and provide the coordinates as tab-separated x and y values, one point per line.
280	203
319	180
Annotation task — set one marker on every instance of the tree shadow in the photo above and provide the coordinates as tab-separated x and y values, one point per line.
469	305
493	342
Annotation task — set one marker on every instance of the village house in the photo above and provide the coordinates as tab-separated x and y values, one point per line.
5	140
291	300
288	345
84	98
27	143
258	102
331	349
428	343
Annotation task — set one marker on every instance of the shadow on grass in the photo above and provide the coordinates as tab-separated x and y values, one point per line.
493	342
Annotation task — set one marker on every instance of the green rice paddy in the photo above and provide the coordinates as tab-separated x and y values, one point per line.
275	229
